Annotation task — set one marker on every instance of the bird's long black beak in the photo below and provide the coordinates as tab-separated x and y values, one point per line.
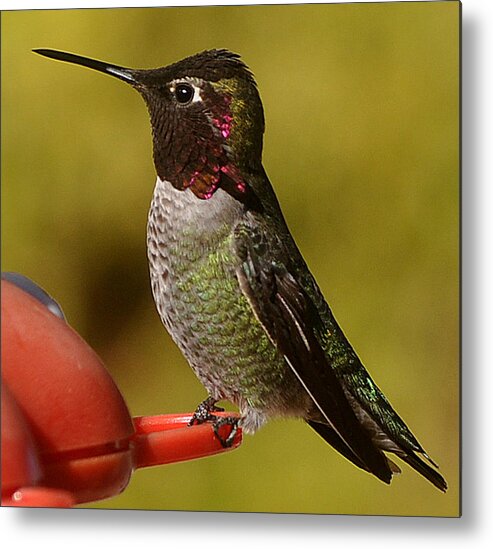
122	73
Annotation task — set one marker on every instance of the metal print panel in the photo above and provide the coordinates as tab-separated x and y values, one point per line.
266	245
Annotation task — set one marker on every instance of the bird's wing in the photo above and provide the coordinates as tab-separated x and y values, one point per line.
389	432
288	317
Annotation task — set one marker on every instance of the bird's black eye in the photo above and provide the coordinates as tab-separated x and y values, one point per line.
184	93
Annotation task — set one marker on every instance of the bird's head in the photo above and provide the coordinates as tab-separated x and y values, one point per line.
206	116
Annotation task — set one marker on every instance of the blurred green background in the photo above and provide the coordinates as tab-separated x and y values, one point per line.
362	147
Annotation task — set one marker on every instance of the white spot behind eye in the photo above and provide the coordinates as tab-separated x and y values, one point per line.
196	94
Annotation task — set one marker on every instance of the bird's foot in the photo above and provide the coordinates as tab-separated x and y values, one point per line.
226	442
204	411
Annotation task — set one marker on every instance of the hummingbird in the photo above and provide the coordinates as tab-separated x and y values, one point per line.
229	282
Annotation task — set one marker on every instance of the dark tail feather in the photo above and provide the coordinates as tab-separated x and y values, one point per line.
424	469
329	435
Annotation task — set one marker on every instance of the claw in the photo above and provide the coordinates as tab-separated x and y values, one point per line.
204	411
228	441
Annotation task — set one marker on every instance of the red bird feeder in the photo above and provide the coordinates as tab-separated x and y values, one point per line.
67	434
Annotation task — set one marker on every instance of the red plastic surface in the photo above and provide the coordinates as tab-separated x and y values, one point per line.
169	439
57	379
20	459
39	497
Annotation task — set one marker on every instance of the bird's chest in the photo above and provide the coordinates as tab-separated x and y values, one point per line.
189	252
